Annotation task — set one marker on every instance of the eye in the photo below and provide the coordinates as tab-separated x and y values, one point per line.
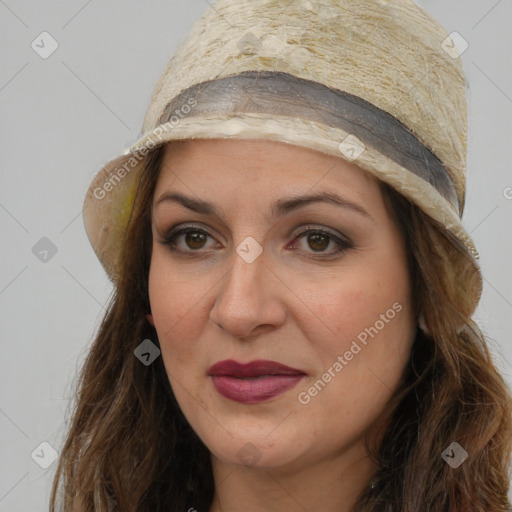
318	240
193	238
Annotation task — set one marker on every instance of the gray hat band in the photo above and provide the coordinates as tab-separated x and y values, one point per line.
282	94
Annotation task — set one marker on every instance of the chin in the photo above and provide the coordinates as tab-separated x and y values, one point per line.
254	443
256	452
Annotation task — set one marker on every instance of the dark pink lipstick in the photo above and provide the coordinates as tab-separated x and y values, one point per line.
253	382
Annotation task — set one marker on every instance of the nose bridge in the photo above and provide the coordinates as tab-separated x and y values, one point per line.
246	297
243	283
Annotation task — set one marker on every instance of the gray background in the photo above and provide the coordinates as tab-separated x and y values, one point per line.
63	117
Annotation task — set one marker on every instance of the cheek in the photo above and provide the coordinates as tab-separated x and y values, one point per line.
178	302
365	317
359	359
350	305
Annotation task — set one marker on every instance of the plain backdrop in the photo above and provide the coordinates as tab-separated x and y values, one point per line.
62	117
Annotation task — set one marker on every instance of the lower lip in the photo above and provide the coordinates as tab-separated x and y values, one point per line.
254	390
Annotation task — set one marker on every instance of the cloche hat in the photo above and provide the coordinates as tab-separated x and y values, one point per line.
376	82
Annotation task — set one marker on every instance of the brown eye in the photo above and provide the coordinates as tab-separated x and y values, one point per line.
318	241
195	239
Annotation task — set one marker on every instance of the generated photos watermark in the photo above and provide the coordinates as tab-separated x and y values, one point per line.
147	352
454	455
304	397
137	156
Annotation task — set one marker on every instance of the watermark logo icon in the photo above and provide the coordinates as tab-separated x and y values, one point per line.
44	250
454	45
44	455
44	45
249	44
249	249
147	352
454	455
351	148
249	454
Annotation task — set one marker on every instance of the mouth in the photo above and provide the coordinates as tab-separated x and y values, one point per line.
253	382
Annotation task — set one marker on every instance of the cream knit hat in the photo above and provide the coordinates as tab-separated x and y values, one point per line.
375	82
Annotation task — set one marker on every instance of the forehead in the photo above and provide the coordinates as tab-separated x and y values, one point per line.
254	162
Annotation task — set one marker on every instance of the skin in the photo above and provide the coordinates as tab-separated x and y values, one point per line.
289	305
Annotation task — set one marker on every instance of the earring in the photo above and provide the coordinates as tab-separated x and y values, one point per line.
149	318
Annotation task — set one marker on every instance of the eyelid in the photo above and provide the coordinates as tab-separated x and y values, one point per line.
296	231
179	227
324	229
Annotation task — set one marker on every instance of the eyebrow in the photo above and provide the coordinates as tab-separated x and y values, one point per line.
279	208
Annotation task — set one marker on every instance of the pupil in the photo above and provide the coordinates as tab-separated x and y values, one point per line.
194	240
317	240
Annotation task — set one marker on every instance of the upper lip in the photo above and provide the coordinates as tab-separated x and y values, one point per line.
232	368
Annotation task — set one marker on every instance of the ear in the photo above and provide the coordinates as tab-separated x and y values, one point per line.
149	318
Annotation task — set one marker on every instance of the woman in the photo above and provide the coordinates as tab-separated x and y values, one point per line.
291	325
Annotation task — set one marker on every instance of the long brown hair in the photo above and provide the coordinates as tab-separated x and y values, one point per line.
129	448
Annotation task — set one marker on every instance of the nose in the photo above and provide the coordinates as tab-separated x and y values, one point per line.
248	302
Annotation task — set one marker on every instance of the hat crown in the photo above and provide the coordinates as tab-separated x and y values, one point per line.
390	53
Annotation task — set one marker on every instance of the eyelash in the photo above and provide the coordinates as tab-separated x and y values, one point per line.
342	245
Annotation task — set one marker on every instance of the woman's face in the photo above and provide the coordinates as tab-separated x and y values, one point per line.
261	273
